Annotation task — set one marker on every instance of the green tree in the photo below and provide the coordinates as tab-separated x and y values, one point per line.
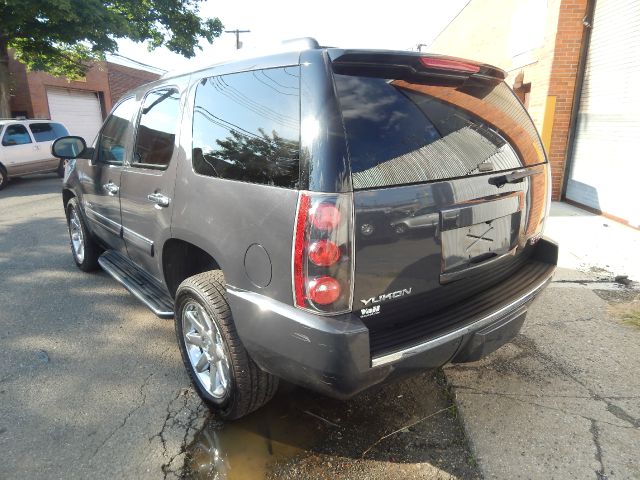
61	37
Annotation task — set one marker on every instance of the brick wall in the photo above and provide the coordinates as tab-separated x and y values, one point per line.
109	80
122	79
19	99
38	82
562	83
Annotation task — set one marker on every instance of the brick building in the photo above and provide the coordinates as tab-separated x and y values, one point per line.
575	64
81	104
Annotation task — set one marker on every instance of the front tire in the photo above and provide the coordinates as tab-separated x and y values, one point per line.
220	368
83	248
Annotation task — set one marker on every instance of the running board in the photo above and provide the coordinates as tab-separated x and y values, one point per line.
142	285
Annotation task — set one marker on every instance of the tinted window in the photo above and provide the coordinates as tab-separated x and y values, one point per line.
246	127
157	128
46	132
113	136
15	135
400	132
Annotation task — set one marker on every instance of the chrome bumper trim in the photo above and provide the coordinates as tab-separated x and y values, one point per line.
447	337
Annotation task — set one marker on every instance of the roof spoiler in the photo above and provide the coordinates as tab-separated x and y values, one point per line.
410	64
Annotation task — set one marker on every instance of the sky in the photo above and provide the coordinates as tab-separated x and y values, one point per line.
345	23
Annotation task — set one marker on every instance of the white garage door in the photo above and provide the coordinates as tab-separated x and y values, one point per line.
605	169
79	111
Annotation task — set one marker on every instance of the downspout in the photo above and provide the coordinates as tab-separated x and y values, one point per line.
577	92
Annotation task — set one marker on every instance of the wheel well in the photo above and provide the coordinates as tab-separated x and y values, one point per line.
181	260
66	196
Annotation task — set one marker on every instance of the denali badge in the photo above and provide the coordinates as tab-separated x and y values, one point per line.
368	312
388	296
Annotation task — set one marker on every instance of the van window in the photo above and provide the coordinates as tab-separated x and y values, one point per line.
157	129
47	132
15	135
112	141
246	127
400	132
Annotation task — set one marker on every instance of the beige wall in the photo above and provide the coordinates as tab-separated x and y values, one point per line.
515	35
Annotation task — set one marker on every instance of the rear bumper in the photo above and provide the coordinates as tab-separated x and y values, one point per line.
332	355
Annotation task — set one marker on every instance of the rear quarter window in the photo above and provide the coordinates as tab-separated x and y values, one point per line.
401	133
246	127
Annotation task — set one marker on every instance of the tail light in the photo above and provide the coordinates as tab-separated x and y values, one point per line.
322	256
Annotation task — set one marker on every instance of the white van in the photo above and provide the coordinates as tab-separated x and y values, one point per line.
25	148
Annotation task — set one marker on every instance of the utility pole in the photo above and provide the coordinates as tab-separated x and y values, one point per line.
420	45
237	32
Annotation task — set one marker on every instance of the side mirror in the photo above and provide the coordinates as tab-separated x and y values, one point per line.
68	147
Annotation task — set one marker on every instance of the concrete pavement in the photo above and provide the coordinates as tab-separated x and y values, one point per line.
563	401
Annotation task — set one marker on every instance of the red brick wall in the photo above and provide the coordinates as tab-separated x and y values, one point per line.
122	79
562	83
110	80
19	99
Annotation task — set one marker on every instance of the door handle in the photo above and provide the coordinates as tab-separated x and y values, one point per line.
159	199
111	188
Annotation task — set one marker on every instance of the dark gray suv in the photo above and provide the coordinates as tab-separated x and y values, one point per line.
330	217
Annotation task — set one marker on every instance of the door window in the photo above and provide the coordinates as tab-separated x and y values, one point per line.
15	135
157	129
112	142
46	132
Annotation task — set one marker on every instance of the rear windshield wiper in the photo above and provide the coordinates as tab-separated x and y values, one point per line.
515	177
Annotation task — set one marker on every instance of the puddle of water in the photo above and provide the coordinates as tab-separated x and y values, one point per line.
246	449
300	434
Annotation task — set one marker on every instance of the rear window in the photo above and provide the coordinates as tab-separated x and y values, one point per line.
246	127
46	132
401	133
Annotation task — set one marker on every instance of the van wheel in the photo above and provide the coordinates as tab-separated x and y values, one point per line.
85	251
223	374
3	177
60	170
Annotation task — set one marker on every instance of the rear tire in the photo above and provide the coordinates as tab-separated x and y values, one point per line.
3	177
202	300
84	249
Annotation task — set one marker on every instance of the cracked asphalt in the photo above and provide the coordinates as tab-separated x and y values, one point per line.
92	385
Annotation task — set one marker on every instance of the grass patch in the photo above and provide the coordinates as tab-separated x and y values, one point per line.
628	312
632	317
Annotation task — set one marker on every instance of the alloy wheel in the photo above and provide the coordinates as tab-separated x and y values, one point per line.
77	237
206	350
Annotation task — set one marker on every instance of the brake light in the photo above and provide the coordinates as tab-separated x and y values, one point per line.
440	63
325	216
324	290
322	253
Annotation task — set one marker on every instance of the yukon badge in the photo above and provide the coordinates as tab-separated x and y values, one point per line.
387	296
